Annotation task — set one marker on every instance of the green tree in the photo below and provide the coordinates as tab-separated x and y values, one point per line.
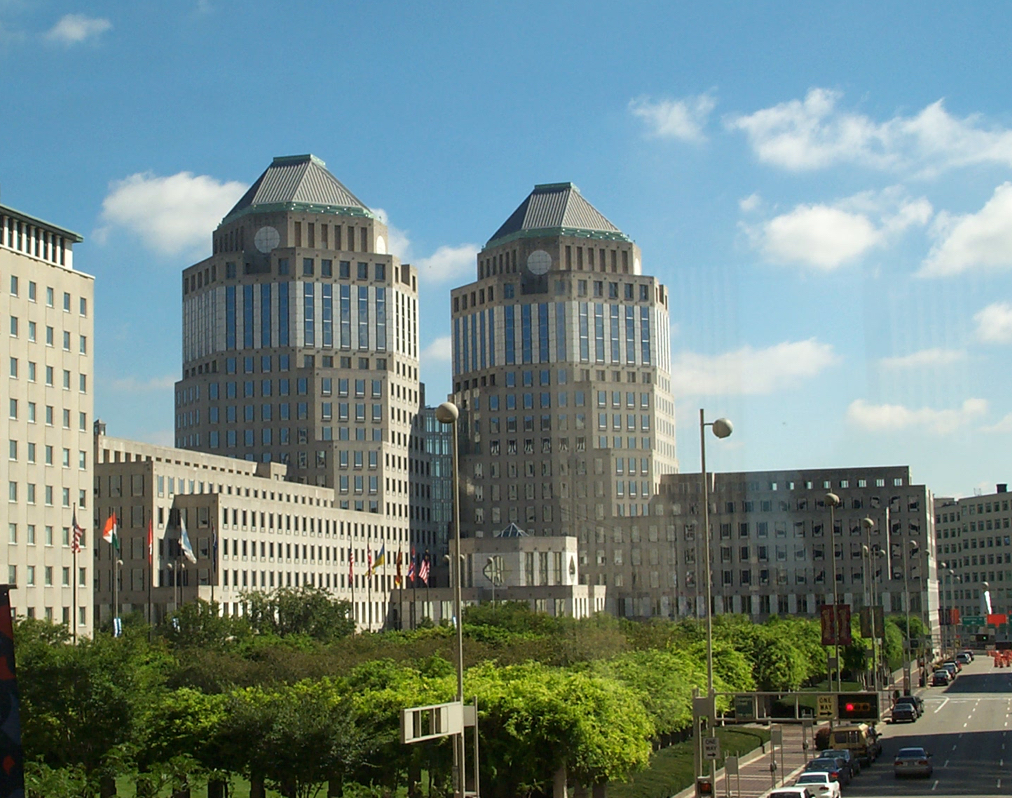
201	624
304	610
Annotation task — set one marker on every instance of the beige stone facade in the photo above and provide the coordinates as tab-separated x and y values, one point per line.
249	528
48	365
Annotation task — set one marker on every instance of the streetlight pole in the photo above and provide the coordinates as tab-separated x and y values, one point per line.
906	600
116	563
867	549
834	501
722	428
447	413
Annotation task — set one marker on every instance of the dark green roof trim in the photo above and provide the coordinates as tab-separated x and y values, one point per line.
305	207
77	238
552	232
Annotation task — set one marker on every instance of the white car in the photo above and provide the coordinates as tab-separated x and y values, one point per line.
790	792
819	783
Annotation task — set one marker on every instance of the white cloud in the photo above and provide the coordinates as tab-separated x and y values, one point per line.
449	263
76	28
440	350
827	236
750	371
675	119
814	133
398	242
1004	424
923	358
152	384
975	240
895	418
994	323
750	203
172	215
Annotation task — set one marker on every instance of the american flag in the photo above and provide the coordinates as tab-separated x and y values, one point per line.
75	545
351	566
411	566
423	570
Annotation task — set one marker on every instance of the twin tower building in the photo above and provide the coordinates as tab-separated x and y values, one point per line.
301	346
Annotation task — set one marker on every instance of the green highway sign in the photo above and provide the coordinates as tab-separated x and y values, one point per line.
973	620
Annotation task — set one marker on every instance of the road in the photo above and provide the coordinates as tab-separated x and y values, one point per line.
966	726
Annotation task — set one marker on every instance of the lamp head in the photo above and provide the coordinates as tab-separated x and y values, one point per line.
722	427
832	500
447	413
867	523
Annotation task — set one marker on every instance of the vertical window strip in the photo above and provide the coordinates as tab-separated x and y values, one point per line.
265	314
247	316
309	314
584	333
526	333
544	338
345	291
615	324
328	315
481	337
230	317
560	332
598	332
381	319
363	317
510	332
283	336
645	333
630	335
491	337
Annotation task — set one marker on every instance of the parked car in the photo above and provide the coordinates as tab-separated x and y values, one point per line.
819	783
955	663
912	762
837	769
968	653
903	713
846	755
963	657
941	678
951	668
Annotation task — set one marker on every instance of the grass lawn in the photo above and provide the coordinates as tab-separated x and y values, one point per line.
671	769
240	789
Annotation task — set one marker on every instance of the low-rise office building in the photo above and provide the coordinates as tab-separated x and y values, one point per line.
249	528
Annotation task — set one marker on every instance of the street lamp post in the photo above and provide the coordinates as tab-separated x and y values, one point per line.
906	600
834	501
867	549
722	428
447	413
116	564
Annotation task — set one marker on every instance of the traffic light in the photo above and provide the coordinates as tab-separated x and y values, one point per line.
704	787
858	706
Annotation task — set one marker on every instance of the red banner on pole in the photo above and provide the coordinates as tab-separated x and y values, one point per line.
835	624
12	778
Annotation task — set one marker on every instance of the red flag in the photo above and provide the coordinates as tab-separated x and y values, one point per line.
351	566
411	566
398	577
151	542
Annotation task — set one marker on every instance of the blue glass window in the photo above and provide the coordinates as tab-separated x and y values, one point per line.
544	339
247	316
616	326
309	314
584	333
283	314
645	333
526	334
491	337
381	312
345	293
230	317
560	331
328	315
511	355
265	314
630	335
598	333
363	316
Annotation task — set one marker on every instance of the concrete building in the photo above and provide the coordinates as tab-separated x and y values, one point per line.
542	572
974	540
771	548
300	342
561	372
249	526
48	361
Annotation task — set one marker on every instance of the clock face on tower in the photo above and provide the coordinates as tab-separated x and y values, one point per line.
539	262
266	239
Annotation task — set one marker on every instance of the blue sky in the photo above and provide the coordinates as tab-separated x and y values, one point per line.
825	188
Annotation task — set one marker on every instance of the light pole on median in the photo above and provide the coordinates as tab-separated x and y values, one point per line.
447	413
722	428
834	501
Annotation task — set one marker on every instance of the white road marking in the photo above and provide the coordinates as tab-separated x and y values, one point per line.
944	702
999	784
935	785
946	764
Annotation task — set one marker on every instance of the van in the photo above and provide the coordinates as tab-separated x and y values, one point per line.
860	739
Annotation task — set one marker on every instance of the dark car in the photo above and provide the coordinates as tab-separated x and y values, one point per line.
844	754
837	769
903	713
963	657
912	762
941	678
913	701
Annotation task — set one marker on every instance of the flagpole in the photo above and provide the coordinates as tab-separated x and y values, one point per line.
351	579
368	577
414	592
73	611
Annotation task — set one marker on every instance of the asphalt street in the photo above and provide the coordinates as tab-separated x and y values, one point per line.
965	726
